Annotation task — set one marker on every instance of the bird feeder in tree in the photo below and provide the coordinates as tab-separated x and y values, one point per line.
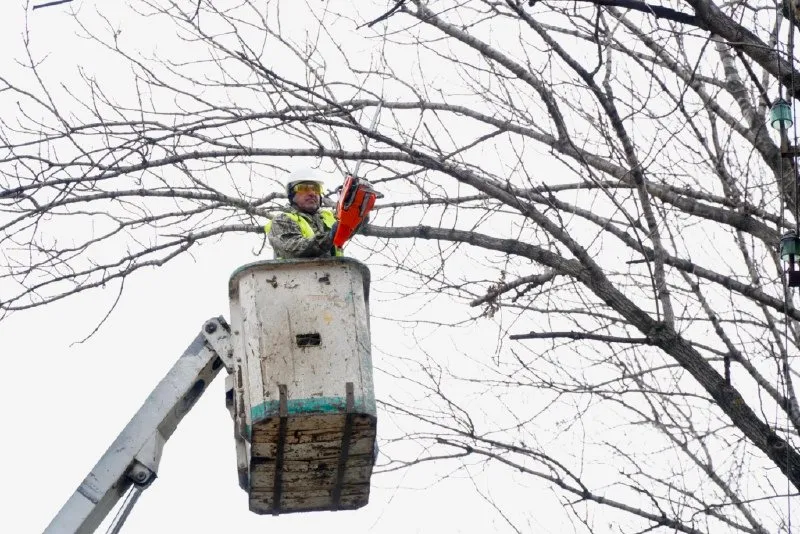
780	115
790	250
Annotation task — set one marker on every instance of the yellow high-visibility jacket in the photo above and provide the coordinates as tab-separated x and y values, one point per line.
301	235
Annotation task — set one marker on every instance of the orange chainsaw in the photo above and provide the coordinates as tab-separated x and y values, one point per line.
355	202
356	199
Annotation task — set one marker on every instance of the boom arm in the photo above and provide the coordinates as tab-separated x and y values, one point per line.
134	456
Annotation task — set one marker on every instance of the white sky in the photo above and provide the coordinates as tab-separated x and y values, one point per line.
63	404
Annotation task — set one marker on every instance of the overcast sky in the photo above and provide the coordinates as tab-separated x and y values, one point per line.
63	403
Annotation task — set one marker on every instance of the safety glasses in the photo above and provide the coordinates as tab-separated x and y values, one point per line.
308	188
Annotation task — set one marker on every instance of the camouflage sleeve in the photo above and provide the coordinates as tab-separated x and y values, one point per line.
288	242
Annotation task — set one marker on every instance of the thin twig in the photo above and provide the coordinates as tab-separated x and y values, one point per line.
582	335
53	3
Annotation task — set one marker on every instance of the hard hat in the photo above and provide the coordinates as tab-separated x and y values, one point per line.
305	174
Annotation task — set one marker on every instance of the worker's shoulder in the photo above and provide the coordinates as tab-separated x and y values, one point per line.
286	216
280	221
294	216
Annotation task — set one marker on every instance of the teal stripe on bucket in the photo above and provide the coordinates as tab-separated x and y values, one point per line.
302	406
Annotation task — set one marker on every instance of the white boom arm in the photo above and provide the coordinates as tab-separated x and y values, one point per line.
134	456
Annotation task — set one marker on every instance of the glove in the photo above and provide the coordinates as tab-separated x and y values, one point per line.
330	237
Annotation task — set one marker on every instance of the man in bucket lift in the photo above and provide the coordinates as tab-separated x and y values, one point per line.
307	229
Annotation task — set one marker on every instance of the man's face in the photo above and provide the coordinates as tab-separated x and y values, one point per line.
307	197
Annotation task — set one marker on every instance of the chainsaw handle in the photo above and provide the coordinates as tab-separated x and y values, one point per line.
366	205
349	192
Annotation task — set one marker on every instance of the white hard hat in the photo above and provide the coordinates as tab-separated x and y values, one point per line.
303	174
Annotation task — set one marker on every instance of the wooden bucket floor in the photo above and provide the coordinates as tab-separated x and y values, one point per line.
308	475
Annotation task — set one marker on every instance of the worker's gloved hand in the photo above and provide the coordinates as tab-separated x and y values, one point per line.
330	237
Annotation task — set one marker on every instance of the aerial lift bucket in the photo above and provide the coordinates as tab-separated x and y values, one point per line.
301	393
